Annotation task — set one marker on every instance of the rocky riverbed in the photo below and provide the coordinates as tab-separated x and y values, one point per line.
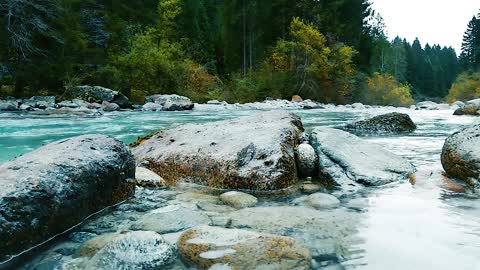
350	202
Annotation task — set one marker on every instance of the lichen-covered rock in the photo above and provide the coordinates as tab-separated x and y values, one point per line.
98	94
134	250
255	152
385	123
171	102
146	178
204	247
346	160
170	219
306	160
322	201
238	199
46	191
461	154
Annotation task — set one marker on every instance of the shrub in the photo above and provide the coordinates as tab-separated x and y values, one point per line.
383	89
466	87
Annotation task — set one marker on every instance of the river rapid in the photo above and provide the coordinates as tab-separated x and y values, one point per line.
426	223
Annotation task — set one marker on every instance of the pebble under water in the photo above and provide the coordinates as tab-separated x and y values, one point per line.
428	222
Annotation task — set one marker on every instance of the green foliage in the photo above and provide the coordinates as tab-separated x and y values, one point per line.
383	89
466	87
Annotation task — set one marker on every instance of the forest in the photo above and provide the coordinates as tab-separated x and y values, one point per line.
333	51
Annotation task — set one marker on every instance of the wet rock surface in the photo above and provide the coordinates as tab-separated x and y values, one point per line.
461	154
56	186
254	152
215	247
385	123
348	160
134	250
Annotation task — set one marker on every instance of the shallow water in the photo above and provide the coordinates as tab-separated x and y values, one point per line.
427	224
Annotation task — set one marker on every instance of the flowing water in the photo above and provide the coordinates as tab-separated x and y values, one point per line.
427	223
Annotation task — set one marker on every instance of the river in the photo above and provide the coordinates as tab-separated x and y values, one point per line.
426	224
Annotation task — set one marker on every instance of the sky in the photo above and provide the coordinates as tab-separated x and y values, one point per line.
432	21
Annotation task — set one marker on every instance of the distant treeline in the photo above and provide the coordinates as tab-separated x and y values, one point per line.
235	50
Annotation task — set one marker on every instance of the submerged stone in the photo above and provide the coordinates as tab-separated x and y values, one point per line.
205	247
134	250
238	199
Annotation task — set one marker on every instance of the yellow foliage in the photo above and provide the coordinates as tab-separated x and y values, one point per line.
466	87
383	89
316	70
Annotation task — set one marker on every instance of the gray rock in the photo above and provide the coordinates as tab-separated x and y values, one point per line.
110	107
345	160
358	106
427	105
56	186
469	109
322	201
461	154
324	232
474	102
254	152
170	219
146	178
214	102
309	188
134	250
306	160
152	107
98	94
458	104
171	102
205	247
40	102
385	123
238	199
8	105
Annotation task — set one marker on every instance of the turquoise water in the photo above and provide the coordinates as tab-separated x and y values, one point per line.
425	225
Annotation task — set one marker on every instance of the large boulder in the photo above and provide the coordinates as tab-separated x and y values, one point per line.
474	102
461	154
171	102
345	159
219	248
255	152
46	191
385	123
98	94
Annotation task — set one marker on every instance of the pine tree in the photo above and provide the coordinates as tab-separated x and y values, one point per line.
470	56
